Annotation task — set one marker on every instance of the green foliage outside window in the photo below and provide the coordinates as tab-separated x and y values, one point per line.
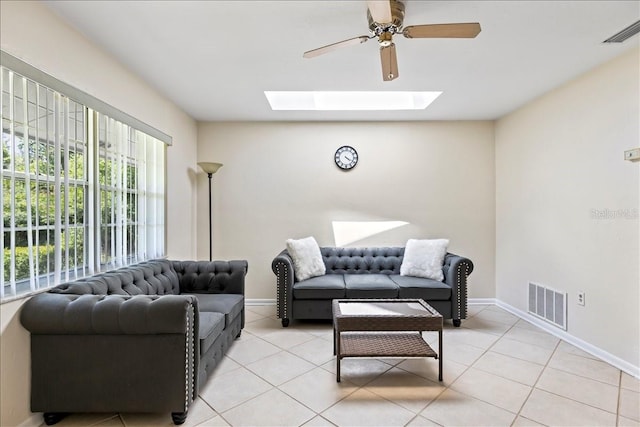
42	204
45	261
45	258
43	214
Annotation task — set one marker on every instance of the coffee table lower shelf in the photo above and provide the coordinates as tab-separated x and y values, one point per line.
372	344
380	344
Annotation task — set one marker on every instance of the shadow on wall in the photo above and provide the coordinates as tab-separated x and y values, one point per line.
347	232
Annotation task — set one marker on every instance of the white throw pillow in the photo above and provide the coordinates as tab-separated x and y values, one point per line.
306	256
424	258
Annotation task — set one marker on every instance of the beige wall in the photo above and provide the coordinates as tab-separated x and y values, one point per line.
555	161
279	181
559	162
15	367
32	33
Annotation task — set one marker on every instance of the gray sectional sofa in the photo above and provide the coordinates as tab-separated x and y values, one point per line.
142	338
367	273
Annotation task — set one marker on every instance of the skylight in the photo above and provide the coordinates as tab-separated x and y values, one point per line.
349	101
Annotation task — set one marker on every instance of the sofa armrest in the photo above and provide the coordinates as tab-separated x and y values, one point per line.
68	314
103	339
219	277
456	269
282	267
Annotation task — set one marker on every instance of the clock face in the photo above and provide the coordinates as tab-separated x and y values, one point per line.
346	157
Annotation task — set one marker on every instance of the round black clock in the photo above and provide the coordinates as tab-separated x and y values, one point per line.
346	157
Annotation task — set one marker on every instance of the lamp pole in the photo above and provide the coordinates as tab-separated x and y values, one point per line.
210	169
210	175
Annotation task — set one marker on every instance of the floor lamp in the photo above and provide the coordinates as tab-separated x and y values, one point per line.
210	169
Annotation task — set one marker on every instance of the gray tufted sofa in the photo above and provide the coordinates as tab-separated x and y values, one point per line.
367	273
138	339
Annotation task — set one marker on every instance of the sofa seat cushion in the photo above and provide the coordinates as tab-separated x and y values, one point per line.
370	286
418	287
211	326
329	286
228	304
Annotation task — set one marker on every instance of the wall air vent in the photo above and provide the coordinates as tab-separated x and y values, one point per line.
628	32
548	304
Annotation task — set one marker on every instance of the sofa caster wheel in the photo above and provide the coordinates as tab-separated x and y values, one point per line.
178	417
285	322
239	333
51	418
457	323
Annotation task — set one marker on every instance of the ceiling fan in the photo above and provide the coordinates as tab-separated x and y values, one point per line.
385	19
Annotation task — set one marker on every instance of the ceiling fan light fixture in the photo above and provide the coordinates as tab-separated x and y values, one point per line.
350	100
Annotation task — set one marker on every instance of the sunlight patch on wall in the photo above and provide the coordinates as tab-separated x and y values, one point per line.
346	232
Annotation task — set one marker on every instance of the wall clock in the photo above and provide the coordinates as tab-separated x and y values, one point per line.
346	157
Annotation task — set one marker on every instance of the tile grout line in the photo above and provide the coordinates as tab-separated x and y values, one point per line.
533	387
619	398
461	374
569	398
217	414
356	389
588	378
277	387
391	401
474	362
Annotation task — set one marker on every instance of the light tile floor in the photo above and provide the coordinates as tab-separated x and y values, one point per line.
498	371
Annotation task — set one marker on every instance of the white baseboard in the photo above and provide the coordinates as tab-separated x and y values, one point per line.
34	420
481	301
259	301
611	359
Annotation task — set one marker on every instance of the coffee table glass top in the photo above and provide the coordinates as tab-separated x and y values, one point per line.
386	308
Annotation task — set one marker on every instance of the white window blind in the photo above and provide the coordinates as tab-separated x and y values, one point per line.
81	192
131	194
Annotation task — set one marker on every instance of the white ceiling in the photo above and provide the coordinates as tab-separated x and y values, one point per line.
215	59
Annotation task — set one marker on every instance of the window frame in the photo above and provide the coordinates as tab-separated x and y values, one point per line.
89	184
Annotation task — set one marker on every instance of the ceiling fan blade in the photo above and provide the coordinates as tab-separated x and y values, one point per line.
331	47
463	30
389	62
380	11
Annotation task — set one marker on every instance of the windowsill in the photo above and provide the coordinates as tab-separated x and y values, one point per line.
26	295
23	296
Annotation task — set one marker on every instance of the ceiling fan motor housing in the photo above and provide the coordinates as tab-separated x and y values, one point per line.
397	14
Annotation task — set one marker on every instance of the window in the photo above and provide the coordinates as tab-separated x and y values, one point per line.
82	191
131	194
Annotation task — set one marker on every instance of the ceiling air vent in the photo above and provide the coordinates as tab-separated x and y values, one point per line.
628	32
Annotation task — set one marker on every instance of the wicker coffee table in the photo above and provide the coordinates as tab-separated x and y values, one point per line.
384	328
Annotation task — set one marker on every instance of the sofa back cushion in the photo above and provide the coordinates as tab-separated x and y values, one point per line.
362	260
155	277
206	277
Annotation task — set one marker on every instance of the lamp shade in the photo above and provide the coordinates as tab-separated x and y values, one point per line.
209	167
